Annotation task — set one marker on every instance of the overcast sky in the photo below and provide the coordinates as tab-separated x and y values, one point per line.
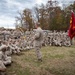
9	9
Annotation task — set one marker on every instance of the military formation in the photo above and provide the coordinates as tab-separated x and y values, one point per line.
57	39
15	41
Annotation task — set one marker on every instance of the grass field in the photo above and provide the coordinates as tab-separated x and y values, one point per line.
56	61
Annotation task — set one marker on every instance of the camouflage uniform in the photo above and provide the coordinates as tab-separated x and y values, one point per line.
38	40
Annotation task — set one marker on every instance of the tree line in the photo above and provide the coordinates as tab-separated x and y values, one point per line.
50	16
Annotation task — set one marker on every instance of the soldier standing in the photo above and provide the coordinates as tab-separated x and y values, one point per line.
38	40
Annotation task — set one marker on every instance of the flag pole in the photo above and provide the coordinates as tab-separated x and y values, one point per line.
71	39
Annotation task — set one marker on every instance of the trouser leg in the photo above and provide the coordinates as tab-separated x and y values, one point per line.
38	53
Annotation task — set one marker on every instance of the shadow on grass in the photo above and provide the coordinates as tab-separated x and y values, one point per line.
16	69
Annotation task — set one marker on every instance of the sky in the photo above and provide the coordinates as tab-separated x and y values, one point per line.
9	9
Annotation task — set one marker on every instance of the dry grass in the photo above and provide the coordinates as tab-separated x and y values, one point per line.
56	61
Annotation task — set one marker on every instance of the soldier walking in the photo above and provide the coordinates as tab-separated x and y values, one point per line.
38	40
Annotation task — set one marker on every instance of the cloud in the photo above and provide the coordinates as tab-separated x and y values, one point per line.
7	22
20	4
9	9
40	1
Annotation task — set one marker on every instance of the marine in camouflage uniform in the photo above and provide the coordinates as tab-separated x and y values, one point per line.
38	40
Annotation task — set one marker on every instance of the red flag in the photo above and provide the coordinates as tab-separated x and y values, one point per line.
71	32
